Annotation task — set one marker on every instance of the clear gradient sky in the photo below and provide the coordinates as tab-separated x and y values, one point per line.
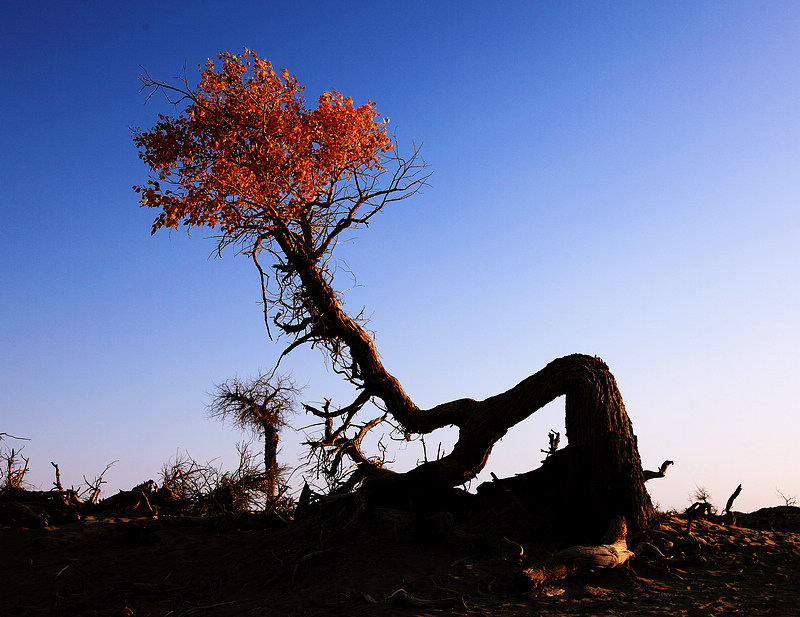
619	179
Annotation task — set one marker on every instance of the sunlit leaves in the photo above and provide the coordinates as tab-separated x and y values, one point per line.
246	154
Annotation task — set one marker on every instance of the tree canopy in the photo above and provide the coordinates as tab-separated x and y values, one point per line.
247	156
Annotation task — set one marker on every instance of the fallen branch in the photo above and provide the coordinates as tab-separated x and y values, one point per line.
207	607
226	521
612	553
403	598
9	435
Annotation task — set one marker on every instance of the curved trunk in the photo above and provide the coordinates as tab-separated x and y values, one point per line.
596	477
579	489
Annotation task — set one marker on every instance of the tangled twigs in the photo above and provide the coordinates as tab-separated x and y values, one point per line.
644	549
669	548
94	487
14	475
702	508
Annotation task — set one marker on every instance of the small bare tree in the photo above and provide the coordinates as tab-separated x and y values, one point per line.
788	500
259	405
13	469
93	489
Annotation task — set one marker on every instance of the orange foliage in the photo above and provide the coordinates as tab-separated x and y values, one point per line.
245	154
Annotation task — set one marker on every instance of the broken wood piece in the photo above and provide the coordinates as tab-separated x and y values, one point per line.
662	471
555	439
403	598
612	553
732	498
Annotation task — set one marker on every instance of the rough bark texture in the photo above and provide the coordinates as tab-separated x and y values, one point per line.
597	477
271	459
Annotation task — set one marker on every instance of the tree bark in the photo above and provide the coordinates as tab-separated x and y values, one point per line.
595	478
271	459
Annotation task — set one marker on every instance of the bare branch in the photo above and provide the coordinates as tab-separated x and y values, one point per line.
57	483
95	485
662	471
787	500
732	498
12	437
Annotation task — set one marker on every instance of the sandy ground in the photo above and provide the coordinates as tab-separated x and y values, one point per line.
120	565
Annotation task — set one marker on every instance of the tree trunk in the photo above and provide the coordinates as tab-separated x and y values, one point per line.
597	477
271	459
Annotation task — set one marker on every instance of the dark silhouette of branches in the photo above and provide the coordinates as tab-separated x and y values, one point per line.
203	488
259	405
93	488
788	500
13	469
10	436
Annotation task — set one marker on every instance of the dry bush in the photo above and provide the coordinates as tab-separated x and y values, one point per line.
702	496
202	489
788	500
13	469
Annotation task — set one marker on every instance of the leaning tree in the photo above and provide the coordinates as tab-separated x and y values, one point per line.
283	184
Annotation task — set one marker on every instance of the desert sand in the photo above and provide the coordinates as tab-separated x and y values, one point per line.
119	564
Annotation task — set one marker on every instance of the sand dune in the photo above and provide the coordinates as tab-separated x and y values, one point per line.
120	564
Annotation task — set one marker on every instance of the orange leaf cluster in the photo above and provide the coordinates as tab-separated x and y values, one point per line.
247	154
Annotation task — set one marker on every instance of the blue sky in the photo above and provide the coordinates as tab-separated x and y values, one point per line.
618	179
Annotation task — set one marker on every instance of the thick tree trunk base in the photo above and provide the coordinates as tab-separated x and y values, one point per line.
556	501
576	491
